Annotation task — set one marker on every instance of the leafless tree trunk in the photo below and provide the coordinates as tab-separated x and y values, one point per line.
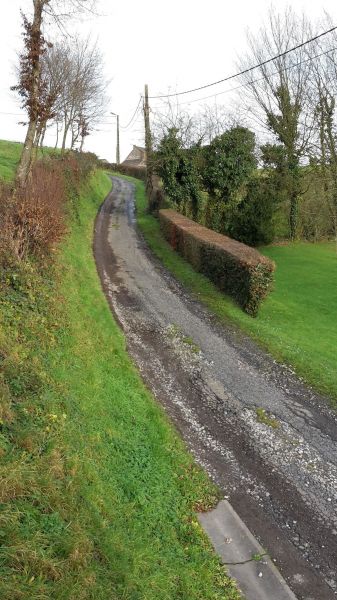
65	133
57	134
277	94
31	63
34	85
76	71
43	134
322	91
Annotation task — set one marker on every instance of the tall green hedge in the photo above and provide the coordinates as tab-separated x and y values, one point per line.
237	269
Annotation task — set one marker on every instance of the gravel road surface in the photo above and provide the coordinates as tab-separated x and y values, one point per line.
211	379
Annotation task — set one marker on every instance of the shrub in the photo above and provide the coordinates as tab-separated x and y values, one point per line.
229	161
175	166
33	218
235	268
252	222
6	204
37	218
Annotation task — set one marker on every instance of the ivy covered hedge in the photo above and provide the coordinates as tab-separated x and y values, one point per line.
237	269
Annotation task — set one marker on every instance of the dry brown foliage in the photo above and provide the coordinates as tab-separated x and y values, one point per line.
33	217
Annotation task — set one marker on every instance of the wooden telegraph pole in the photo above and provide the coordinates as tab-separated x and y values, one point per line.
148	147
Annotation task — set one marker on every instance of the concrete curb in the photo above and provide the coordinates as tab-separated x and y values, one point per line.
245	559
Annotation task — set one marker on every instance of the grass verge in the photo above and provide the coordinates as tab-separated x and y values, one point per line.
98	493
9	158
10	153
296	323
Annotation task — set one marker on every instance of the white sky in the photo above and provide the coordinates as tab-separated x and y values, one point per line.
172	46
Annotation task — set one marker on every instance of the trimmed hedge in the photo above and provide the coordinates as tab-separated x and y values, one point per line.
237	269
131	171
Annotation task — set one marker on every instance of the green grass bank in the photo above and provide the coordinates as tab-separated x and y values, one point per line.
10	153
296	323
9	158
98	493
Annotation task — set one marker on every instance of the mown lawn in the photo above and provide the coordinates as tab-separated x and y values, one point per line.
98	492
298	321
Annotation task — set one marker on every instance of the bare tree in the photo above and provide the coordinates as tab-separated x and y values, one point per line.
30	83
171	116
91	98
77	70
215	120
322	87
277	93
52	82
195	129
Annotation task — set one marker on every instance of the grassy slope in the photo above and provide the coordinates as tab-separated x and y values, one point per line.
10	153
297	323
9	158
98	491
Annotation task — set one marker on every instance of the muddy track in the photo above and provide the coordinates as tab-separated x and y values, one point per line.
211	378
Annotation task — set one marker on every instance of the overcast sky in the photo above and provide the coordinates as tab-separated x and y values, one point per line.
172	46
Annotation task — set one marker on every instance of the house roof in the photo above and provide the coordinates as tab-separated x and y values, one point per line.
137	156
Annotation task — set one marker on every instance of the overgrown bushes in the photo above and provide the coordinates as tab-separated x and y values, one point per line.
33	217
229	162
179	174
217	184
246	192
235	268
252	221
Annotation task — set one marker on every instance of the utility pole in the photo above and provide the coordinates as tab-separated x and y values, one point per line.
118	157
148	147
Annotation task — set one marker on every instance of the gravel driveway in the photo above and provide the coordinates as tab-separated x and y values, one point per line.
280	476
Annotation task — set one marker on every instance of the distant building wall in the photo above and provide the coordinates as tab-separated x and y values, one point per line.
137	157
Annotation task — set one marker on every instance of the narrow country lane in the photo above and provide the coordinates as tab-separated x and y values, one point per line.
211	379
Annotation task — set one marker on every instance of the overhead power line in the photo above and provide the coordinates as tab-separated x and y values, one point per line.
131	121
14	114
134	115
261	64
248	83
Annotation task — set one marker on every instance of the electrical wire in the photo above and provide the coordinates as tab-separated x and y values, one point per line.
238	87
134	115
261	64
11	113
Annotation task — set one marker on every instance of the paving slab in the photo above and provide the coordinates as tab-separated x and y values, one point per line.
247	562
